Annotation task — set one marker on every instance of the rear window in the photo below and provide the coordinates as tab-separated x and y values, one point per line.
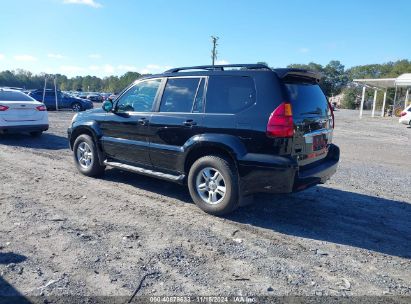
307	99
14	96
229	94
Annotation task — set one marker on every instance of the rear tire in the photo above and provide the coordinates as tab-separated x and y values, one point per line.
76	107
36	134
213	185
86	156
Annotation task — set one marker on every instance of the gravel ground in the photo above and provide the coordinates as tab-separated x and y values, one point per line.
64	233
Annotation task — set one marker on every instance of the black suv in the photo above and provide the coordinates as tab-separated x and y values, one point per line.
227	131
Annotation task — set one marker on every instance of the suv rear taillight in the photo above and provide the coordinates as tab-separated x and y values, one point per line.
41	108
403	113
3	108
280	123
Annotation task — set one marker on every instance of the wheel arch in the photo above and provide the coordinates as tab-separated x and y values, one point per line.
80	131
227	146
94	132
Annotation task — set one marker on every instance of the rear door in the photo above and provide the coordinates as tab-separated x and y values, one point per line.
20	107
179	117
50	100
312	120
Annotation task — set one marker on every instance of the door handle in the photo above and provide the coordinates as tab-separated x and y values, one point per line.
189	123
143	121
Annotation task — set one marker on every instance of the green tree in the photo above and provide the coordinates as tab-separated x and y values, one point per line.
351	97
333	74
334	79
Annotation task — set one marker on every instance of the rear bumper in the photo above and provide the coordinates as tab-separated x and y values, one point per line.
24	128
283	175
405	120
319	172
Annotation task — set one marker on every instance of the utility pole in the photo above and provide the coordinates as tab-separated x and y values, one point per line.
55	93
214	50
45	87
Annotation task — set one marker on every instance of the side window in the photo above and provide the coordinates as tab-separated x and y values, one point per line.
140	97
229	94
198	106
179	95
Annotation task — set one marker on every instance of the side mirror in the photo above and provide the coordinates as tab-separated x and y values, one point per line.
107	106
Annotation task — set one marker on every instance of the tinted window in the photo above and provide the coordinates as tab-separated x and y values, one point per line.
229	94
14	96
179	95
307	99
140	97
198	106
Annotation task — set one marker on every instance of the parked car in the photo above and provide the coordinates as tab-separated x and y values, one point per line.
95	97
112	97
105	96
82	95
13	88
406	116
64	101
225	133
21	113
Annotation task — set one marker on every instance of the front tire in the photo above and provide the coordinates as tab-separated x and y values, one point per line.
213	185
86	156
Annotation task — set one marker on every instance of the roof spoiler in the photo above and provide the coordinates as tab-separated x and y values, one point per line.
298	74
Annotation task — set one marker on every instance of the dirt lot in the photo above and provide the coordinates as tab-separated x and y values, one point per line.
64	233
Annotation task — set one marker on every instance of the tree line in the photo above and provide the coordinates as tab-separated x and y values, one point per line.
336	79
26	80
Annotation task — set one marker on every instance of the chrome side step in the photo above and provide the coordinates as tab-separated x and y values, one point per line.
170	177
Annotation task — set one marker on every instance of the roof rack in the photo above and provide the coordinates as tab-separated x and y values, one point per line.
220	67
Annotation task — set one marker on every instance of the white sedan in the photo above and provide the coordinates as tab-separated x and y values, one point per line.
406	116
21	113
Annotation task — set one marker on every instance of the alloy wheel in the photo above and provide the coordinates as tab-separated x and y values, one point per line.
84	155
76	107
211	186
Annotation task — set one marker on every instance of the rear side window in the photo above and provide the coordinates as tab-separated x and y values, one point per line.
307	99
179	95
14	96
229	94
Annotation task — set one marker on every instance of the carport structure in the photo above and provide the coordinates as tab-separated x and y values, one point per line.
383	84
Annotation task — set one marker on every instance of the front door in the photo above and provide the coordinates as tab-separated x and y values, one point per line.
179	117
125	129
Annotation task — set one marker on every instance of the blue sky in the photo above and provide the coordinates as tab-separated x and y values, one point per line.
104	37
